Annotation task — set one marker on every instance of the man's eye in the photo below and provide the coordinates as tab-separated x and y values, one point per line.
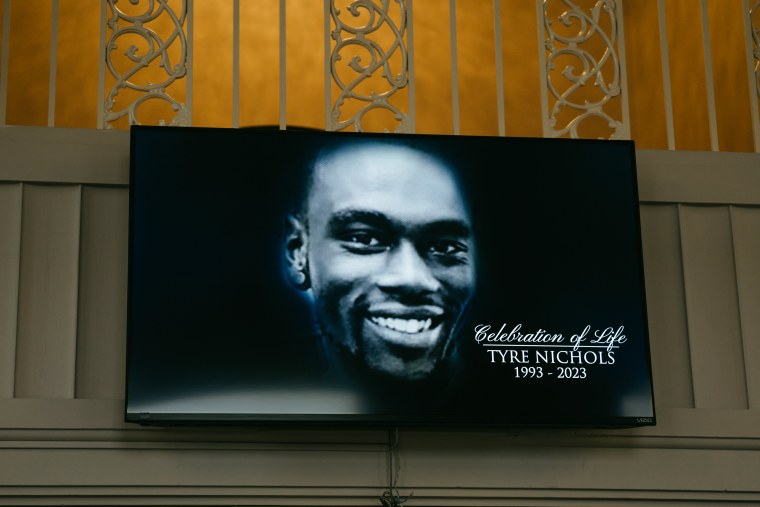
449	250
363	242
363	238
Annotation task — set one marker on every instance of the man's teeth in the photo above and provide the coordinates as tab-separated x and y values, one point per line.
403	325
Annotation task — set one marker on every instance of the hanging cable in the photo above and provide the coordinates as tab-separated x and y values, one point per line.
391	496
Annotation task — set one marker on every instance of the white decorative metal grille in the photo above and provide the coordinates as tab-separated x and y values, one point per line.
369	62
583	69
154	59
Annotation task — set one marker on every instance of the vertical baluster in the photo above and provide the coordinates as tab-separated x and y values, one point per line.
4	60
454	66
499	66
666	74
283	67
328	67
412	112
53	64
102	65
625	113
543	76
711	112
235	63
752	42
189	62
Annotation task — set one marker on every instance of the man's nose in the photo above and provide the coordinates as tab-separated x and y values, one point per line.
406	270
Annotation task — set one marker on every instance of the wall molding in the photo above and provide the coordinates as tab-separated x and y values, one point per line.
99	157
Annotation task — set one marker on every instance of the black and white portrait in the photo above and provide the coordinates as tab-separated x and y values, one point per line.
382	244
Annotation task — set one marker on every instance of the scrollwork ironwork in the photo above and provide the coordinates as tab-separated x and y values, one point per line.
579	39
156	51
369	60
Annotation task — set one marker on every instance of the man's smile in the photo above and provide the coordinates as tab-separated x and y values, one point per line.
403	325
406	327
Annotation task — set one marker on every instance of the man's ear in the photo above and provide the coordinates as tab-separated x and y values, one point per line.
296	258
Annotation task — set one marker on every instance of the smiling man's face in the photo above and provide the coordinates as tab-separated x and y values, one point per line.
390	254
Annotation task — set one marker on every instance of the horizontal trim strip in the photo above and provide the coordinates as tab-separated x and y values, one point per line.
88	156
698	177
228	495
81	415
62	155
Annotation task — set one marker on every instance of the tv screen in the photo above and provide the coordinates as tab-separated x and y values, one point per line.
314	277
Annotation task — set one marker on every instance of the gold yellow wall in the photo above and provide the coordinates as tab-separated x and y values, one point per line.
676	65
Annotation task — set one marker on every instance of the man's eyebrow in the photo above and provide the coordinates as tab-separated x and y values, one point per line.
446	226
449	227
348	216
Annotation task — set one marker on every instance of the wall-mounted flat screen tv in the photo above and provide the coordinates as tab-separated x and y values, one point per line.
313	277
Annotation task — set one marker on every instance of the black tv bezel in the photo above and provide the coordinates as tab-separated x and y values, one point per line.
384	420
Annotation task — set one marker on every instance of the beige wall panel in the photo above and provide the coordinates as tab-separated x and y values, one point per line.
174	496
698	177
425	463
193	467
369	496
746	227
59	450
428	459
47	320
102	293
288	464
64	155
66	414
666	308
10	246
712	308
102	157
